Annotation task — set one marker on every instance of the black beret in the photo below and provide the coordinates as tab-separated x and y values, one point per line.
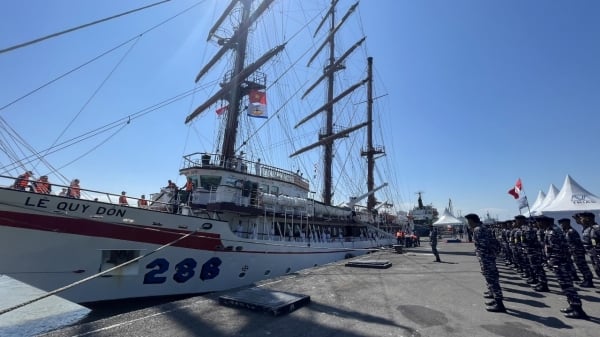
585	215
564	220
544	219
472	216
520	217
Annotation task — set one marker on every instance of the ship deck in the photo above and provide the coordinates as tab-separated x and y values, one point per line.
414	297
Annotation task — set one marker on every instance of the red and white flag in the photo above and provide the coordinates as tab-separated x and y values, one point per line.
258	104
515	191
222	110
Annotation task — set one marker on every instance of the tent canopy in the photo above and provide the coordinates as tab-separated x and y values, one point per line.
447	219
571	199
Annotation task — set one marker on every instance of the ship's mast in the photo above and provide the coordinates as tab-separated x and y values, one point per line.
371	150
242	78
328	135
229	138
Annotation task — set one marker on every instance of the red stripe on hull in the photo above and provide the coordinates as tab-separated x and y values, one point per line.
91	228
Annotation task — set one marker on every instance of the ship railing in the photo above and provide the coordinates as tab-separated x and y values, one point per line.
87	194
213	160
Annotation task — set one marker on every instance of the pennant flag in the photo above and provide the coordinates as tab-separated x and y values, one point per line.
515	191
258	104
222	110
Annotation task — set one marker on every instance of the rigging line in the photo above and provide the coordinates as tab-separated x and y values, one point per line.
25	44
93	148
107	127
56	291
95	93
97	57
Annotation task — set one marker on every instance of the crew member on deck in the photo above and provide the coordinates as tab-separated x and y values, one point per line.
22	181
42	185
74	190
123	199
142	202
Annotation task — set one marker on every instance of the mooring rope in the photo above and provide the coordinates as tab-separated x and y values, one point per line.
54	292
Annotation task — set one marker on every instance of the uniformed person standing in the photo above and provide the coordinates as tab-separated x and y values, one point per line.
486	250
591	238
433	239
533	247
520	222
557	249
577	252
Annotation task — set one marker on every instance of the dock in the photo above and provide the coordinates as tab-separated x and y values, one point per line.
414	296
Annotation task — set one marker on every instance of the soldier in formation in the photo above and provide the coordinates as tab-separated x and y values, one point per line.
591	238
532	250
577	252
557	249
486	248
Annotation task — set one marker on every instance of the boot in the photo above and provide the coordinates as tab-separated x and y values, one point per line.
531	280
541	288
487	294
577	313
566	310
488	303
498	306
587	284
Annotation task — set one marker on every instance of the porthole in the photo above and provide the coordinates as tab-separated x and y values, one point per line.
267	272
287	271
239	248
206	225
241	275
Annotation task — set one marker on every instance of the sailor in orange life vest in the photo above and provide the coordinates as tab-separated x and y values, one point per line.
74	191
42	186
22	181
142	202
123	199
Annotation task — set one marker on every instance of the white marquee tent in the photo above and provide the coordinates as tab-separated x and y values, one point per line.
571	199
538	201
550	196
447	219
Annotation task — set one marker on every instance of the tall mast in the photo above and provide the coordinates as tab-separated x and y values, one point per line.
328	146
371	150
327	136
235	100
242	78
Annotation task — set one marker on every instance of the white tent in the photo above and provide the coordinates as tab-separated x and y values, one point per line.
572	199
538	201
447	219
550	196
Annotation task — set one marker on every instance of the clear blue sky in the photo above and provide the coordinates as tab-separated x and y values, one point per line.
479	93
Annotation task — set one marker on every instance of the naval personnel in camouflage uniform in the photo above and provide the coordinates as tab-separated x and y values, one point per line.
591	238
486	248
557	249
577	252
525	268
533	247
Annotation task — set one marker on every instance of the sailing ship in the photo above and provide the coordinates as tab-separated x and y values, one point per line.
238	221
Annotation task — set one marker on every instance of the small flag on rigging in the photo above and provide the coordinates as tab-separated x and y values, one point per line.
222	110
258	104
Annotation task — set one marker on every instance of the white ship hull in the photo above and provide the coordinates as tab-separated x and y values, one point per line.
51	242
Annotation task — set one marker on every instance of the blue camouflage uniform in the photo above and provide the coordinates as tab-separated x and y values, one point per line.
532	247
486	248
578	253
557	250
591	242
